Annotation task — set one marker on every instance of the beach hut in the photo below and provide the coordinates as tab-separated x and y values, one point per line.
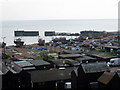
86	74
94	70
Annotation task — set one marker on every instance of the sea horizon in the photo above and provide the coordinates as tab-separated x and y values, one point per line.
64	25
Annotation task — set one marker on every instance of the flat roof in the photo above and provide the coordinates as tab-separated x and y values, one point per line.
101	55
38	62
61	62
70	55
73	62
50	75
85	58
29	68
67	62
73	52
23	63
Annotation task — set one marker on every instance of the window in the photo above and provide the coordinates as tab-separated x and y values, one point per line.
112	61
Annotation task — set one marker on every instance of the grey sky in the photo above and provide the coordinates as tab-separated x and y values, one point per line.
58	9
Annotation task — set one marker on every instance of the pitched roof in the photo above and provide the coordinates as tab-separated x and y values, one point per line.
106	77
3	69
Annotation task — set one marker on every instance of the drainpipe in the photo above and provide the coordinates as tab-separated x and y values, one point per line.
56	86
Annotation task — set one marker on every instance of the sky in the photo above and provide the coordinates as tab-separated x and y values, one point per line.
58	9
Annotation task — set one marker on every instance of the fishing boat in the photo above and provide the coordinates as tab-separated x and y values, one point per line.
18	42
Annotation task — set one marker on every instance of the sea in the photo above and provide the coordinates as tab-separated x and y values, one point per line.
71	26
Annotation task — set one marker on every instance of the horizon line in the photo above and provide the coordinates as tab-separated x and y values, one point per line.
60	19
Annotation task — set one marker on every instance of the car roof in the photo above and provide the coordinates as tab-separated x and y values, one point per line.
115	59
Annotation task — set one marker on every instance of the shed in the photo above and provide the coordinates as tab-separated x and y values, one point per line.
48	78
50	75
94	70
8	78
109	80
74	79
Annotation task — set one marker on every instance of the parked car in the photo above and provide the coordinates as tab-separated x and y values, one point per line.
114	62
118	51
